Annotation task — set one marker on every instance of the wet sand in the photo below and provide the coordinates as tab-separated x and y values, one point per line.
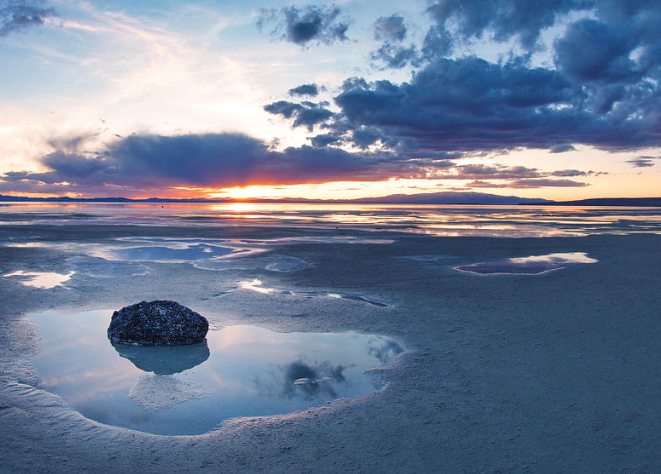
548	373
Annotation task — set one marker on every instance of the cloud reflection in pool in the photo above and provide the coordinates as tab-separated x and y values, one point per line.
239	371
533	265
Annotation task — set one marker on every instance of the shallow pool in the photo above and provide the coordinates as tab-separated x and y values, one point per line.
239	371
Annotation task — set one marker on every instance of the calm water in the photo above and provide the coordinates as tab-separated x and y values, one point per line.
449	220
239	371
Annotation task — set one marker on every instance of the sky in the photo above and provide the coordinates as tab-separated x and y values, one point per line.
557	99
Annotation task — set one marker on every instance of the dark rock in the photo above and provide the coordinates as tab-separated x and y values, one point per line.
157	323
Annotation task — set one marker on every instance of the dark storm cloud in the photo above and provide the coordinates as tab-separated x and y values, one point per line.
310	90
143	162
390	28
364	137
603	92
438	43
323	140
16	15
306	114
469	104
594	51
520	19
305	25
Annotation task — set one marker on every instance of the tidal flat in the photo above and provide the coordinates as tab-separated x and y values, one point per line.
546	371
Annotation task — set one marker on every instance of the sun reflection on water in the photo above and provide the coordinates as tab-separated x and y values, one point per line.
499	221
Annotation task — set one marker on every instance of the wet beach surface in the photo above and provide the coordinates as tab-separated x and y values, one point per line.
554	372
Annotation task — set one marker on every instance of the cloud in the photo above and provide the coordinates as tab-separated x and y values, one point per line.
594	51
306	114
506	19
16	15
143	163
496	172
545	183
395	56
392	31
322	140
471	105
149	164
571	173
642	162
562	148
310	90
390	28
305	25
528	184
603	92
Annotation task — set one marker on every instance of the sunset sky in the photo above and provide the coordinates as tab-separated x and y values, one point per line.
558	99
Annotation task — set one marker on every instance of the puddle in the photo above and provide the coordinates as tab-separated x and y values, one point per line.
258	287
266	242
187	252
273	263
533	265
429	258
239	371
42	280
96	267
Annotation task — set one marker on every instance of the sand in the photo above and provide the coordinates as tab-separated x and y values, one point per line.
549	373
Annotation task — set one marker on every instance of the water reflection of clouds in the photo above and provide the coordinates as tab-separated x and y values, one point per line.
533	265
241	371
386	351
306	380
41	280
510	221
257	286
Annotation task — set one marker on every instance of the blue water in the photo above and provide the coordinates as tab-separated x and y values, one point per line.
239	371
447	220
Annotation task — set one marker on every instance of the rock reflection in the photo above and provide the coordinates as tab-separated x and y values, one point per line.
165	360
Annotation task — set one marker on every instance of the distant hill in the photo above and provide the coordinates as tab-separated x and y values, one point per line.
412	199
625	202
451	198
441	198
4	198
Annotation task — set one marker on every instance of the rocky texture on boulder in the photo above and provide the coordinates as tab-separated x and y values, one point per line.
157	323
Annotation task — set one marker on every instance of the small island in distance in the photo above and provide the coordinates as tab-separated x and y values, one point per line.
454	198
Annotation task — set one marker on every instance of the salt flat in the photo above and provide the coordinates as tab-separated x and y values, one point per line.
551	372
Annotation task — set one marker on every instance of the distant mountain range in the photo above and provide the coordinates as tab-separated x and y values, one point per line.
411	199
624	202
